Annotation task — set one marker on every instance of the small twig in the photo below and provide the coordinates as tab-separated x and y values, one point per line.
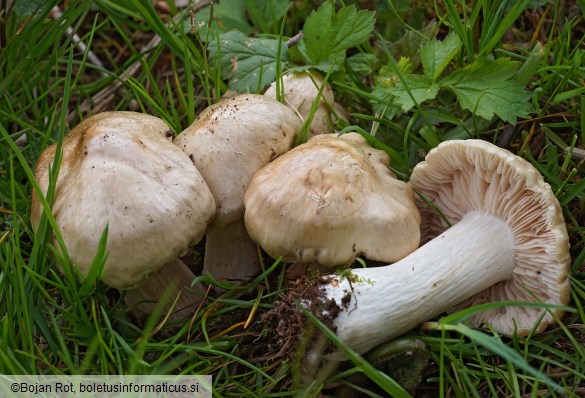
107	93
80	44
294	40
577	153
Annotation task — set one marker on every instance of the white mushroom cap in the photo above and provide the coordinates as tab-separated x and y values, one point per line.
330	200
228	143
300	92
459	177
233	139
120	169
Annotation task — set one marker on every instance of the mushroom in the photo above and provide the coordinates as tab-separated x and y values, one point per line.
120	170
330	200
228	143
462	177
301	90
508	242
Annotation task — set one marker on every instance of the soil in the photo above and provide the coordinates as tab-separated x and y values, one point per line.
289	328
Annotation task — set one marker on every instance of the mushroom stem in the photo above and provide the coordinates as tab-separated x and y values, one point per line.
230	253
388	301
173	279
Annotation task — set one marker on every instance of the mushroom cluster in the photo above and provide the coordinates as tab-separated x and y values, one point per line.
121	171
508	242
494	232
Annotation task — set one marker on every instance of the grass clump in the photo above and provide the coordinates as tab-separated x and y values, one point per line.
410	74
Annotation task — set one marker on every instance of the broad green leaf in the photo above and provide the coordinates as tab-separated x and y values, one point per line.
26	8
436	55
227	15
363	64
420	87
383	102
271	11
319	32
382	97
248	63
487	88
353	27
388	76
327	35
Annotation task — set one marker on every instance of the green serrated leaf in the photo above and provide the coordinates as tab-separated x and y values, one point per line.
353	27
382	96
363	64
227	15
328	35
382	101
487	88
420	87
271	11
318	32
387	75
405	65
26	8
247	62
436	55
411	43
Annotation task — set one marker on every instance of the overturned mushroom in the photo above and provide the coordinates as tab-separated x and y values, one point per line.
508	242
228	143
120	170
330	200
463	177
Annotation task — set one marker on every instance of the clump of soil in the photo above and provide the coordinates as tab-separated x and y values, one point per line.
289	328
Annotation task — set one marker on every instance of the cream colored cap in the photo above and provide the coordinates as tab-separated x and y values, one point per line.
120	169
331	200
300	91
233	139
